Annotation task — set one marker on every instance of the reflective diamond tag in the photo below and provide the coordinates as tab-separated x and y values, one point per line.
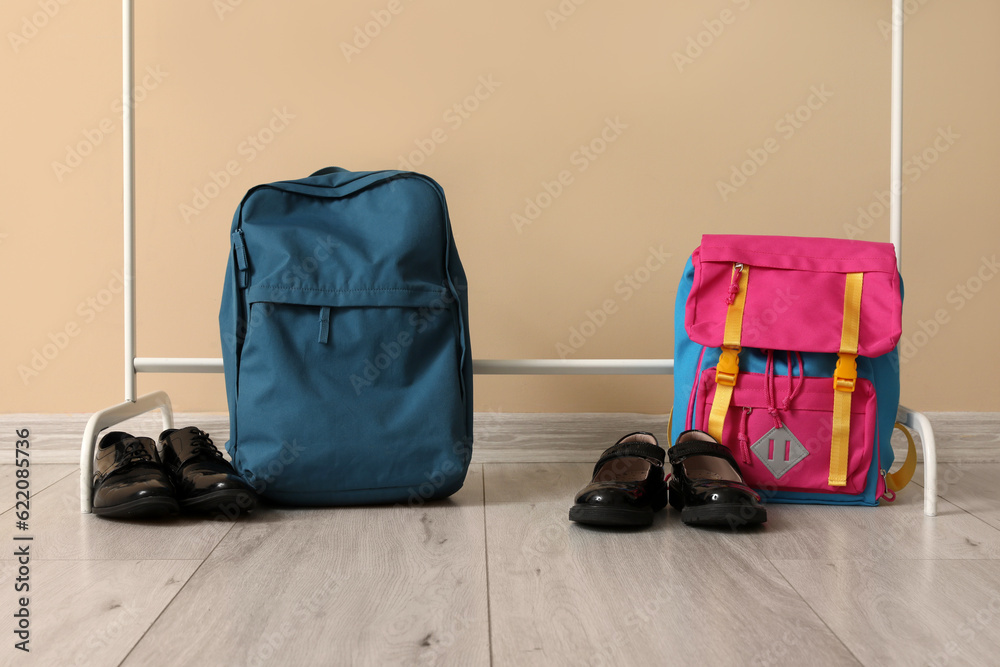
779	450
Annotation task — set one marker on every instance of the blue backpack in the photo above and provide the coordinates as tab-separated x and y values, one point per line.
785	352
345	338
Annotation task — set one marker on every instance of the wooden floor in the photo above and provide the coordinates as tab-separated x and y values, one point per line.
497	575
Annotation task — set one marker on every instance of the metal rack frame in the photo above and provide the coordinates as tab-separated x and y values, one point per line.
134	406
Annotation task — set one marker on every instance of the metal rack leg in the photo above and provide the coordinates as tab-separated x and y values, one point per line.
919	422
158	400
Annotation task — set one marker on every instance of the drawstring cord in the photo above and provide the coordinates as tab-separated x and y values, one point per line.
769	391
742	437
793	387
734	286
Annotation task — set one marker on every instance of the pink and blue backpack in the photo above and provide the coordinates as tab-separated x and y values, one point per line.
785	352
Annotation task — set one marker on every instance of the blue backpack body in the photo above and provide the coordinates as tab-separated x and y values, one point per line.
345	337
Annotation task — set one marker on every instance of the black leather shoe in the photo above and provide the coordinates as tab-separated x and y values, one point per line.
707	485
628	485
129	480
205	481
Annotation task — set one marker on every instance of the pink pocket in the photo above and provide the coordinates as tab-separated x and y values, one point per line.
795	292
795	457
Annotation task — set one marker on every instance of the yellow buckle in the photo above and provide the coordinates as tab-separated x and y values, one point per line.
845	377
728	367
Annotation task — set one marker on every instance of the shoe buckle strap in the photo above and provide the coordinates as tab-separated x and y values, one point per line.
652	453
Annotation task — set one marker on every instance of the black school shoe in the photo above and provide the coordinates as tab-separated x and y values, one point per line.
628	485
129	481
205	481
707	485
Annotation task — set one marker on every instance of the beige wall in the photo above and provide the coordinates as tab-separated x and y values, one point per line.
211	78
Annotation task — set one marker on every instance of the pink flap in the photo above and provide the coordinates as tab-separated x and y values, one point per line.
795	292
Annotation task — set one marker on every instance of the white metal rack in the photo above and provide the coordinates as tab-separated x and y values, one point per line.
158	400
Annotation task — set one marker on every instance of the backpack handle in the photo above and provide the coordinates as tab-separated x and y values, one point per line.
325	171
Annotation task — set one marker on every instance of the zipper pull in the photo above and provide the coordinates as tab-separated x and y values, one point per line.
240	250
324	325
734	286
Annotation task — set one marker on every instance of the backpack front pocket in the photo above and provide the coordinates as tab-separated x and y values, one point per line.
338	388
785	445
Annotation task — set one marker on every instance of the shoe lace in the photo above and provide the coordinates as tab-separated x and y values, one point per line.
202	445
135	452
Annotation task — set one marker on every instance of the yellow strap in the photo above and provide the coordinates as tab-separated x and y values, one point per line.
841	436
895	481
720	405
844	379
734	314
852	313
728	367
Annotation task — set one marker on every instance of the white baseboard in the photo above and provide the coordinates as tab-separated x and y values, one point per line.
962	437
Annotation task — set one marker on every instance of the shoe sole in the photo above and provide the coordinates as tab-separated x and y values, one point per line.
610	516
733	516
228	502
142	508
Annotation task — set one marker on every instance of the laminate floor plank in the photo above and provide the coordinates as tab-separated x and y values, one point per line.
893	530
906	612
963	437
565	594
89	612
40	477
61	532
337	586
973	487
